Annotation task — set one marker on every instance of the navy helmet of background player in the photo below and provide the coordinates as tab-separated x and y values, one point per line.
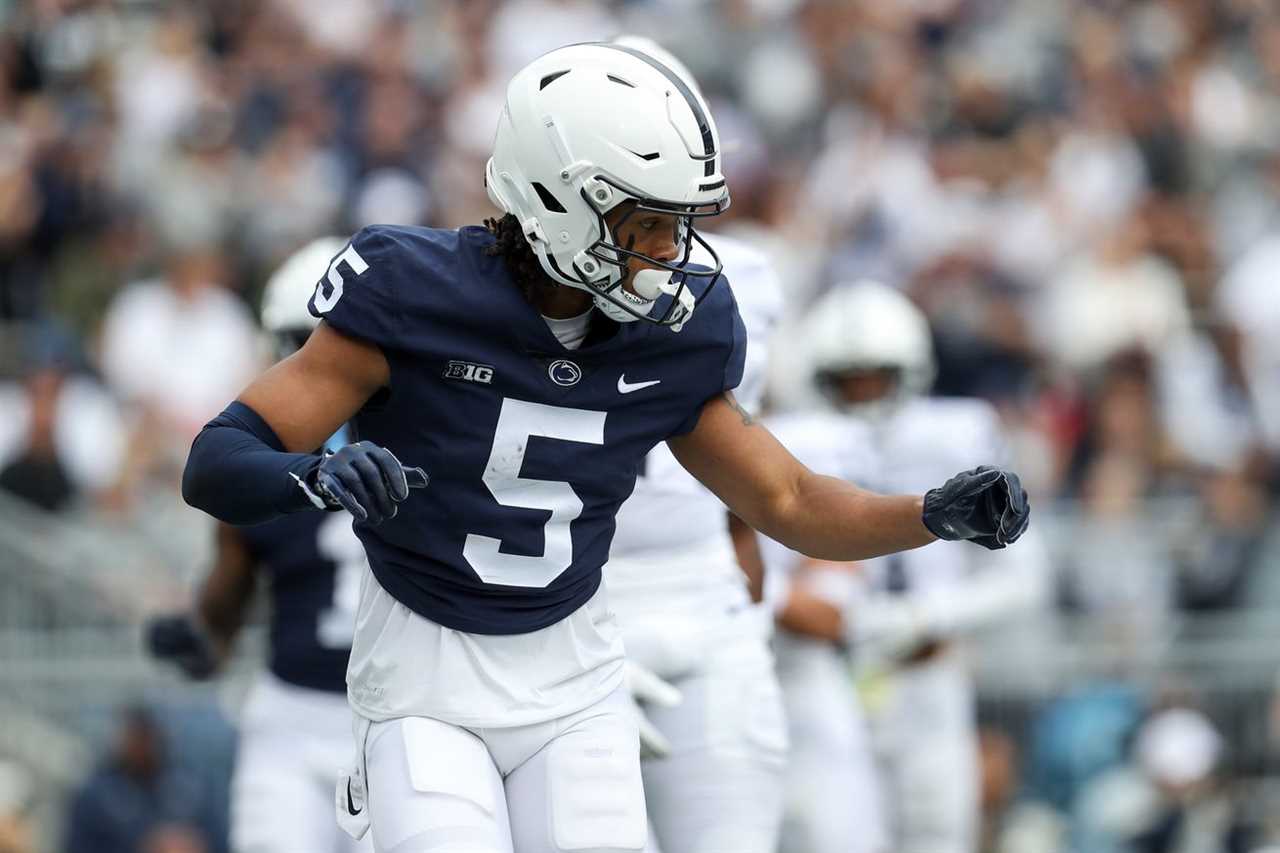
307	566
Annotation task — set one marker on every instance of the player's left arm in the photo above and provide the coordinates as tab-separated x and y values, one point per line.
830	519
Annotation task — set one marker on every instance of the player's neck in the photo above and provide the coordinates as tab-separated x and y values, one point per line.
561	303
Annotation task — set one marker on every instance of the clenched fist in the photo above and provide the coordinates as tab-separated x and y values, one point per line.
986	505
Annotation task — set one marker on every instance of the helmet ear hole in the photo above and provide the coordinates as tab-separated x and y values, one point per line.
589	265
600	194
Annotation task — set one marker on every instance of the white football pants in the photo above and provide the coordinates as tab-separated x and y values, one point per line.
925	738
833	802
293	743
570	784
720	789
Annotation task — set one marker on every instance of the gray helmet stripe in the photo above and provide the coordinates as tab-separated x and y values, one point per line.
708	141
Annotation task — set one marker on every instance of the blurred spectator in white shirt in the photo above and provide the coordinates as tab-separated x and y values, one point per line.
1118	297
62	437
1249	297
180	347
1097	175
1204	398
157	88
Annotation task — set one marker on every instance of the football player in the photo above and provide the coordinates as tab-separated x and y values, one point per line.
872	355
530	366
295	726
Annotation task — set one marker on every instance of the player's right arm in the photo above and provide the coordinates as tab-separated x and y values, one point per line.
255	461
227	590
747	548
198	641
811	615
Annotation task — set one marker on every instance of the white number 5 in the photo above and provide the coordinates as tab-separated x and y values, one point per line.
517	421
325	303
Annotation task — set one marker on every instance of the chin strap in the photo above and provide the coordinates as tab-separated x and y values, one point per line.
610	308
684	299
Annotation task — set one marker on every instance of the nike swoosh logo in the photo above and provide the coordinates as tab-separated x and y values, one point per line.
625	387
351	806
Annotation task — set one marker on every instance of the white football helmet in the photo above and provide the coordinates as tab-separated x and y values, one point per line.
585	128
867	326
284	300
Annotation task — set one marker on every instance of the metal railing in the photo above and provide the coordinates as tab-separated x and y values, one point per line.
81	569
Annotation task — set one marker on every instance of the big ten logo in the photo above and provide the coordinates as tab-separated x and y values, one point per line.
469	372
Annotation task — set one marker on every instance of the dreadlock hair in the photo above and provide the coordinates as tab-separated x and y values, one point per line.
518	256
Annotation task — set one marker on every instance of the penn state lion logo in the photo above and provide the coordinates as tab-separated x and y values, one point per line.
564	372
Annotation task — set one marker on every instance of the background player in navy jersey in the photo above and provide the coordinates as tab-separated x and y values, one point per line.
529	367
295	727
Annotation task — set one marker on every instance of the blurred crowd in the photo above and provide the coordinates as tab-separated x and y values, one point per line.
1084	197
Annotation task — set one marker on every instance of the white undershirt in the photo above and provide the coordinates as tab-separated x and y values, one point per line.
571	331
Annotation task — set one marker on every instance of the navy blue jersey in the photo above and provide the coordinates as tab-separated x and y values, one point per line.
313	563
531	447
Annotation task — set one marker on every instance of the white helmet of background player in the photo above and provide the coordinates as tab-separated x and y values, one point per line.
867	327
284	300
586	128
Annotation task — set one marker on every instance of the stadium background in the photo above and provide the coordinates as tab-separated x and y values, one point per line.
1083	196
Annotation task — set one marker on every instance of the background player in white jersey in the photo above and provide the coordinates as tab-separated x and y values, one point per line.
295	726
872	355
686	615
684	603
833	801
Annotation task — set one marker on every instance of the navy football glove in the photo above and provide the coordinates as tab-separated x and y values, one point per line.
986	505
177	639
366	480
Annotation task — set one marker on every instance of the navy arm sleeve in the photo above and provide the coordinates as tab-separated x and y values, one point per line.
239	472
